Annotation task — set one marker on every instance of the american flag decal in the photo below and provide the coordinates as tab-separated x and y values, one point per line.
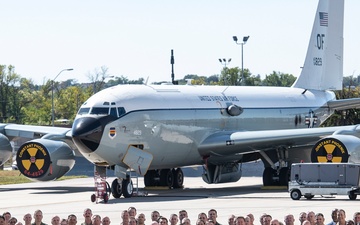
324	19
112	132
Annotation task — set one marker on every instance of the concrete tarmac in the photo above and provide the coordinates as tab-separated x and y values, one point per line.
245	196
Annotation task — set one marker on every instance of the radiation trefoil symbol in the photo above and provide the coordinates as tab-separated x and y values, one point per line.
329	148
33	160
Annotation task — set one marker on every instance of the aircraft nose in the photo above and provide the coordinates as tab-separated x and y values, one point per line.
87	132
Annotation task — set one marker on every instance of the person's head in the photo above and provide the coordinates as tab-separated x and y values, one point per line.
2	220
319	217
141	218
155	215
202	216
132	221
12	221
274	222
350	222
125	215
212	215
289	219
27	218
185	221
341	215
302	217
182	214
163	221
334	215
38	215
311	217
96	220
200	222
356	218
240	220
64	222
231	219
306	222
252	218
174	219
105	220
7	216
72	219
87	214
132	211
267	220
55	220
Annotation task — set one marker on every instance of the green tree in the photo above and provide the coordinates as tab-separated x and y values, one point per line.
9	82
279	79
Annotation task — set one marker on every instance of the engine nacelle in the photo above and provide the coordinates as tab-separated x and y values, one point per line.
44	160
225	173
5	149
337	149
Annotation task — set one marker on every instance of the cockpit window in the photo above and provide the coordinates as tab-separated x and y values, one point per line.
116	112
113	112
99	111
121	111
84	110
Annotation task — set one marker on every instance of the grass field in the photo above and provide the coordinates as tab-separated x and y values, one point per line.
15	177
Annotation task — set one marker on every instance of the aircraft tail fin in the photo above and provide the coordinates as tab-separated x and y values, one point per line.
323	67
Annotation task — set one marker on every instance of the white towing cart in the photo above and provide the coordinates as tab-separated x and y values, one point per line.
310	179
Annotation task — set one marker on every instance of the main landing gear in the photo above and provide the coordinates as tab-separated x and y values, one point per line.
172	178
276	175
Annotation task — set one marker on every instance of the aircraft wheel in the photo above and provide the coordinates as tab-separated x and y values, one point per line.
166	178
127	188
352	196
106	198
268	176
295	194
93	198
116	188
108	189
178	178
284	176
308	197
149	178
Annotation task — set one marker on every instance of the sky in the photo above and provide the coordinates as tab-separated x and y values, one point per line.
134	38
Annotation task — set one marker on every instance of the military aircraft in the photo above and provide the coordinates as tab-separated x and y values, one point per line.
155	130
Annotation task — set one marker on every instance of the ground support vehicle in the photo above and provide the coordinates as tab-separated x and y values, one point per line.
310	179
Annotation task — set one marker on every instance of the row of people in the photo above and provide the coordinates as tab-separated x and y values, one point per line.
130	217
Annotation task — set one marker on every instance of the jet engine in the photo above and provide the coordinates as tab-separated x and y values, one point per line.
44	160
5	149
337	148
225	173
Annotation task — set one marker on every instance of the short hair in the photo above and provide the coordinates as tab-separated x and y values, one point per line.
71	215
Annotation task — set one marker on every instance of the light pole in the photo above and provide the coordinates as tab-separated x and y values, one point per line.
52	95
224	62
245	38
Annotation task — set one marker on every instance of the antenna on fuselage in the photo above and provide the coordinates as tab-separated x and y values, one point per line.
172	62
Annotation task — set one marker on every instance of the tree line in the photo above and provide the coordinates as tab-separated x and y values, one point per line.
23	102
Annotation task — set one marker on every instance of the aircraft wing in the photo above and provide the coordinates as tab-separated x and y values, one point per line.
342	104
32	132
242	142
